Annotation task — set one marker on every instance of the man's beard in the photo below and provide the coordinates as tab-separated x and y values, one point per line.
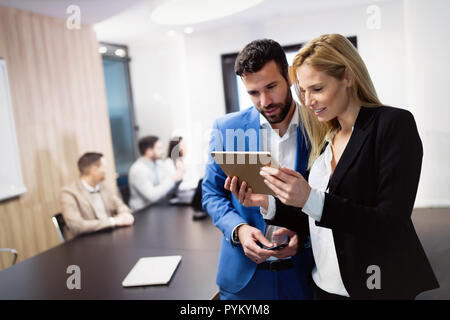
284	109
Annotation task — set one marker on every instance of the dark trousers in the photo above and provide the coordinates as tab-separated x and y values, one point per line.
273	285
320	294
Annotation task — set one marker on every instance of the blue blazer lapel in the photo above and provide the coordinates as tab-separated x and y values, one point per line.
254	125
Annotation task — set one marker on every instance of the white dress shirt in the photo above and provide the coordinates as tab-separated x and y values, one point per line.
149	182
97	201
283	149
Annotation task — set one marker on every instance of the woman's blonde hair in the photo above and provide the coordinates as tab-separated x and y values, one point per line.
332	54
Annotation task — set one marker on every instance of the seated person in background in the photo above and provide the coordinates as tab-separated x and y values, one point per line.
175	152
87	204
149	178
175	161
189	191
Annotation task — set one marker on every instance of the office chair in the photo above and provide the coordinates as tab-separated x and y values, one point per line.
122	183
199	213
14	252
60	225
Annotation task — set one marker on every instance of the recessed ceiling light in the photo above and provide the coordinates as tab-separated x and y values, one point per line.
188	30
102	50
179	12
120	53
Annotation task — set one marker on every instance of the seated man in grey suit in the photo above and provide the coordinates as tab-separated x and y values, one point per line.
88	205
149	178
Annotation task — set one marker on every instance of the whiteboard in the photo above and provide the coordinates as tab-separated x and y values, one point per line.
11	181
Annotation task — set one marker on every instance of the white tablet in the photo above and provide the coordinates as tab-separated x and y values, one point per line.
152	271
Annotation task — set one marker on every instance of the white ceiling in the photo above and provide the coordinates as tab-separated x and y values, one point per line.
134	23
92	11
124	20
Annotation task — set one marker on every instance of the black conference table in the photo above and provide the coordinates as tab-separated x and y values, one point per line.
106	257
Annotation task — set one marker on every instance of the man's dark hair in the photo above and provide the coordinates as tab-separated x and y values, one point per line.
147	142
257	53
87	160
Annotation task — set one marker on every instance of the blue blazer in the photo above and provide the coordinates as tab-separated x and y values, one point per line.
235	268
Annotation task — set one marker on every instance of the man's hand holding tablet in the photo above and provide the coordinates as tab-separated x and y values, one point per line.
248	235
245	195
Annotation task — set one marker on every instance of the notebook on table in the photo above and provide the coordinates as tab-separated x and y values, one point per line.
152	271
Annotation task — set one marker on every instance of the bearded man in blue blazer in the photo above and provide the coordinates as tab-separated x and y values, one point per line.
246	270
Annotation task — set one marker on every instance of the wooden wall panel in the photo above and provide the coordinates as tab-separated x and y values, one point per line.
59	102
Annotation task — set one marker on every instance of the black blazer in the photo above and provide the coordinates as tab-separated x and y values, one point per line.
369	205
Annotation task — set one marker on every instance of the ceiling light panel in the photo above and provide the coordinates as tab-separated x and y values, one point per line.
182	12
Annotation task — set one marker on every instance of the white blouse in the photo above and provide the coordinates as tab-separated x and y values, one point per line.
326	273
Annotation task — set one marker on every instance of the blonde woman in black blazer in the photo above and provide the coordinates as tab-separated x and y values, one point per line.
365	165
